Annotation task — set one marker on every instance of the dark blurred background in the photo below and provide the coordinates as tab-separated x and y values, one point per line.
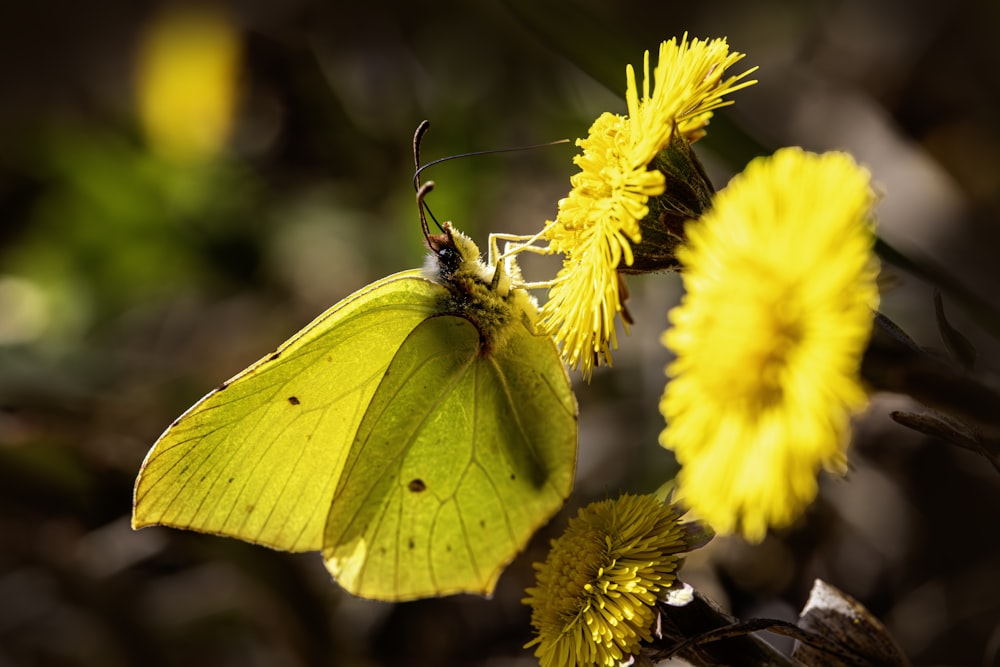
143	263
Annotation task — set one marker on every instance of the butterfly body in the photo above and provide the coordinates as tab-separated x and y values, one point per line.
417	433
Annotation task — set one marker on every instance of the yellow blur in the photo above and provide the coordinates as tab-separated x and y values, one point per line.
187	72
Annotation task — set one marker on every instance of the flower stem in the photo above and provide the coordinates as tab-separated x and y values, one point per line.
682	625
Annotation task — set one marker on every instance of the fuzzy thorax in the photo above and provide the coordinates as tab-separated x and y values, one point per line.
485	295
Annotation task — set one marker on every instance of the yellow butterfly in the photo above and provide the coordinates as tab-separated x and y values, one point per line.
417	433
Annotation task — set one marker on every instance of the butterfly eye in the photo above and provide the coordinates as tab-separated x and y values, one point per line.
450	259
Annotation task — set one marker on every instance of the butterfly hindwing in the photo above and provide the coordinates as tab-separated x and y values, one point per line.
465	454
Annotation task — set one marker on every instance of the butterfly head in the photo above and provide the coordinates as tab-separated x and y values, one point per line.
446	256
454	257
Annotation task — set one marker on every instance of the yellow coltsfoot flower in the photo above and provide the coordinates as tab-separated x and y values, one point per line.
600	219
595	597
188	81
780	298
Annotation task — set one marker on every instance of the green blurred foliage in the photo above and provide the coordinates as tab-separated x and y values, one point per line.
130	286
119	227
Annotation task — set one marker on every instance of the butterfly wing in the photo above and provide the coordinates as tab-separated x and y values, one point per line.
461	456
259	458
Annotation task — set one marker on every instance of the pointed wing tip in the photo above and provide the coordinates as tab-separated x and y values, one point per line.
138	521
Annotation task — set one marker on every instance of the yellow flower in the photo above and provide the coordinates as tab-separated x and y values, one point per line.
187	79
599	219
780	280
596	592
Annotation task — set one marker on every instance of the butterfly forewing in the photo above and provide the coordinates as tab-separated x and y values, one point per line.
259	458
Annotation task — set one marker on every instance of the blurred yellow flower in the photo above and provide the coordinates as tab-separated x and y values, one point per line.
599	219
780	293
186	80
596	592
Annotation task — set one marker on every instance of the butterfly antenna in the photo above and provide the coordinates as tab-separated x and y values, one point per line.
417	138
422	206
422	190
420	168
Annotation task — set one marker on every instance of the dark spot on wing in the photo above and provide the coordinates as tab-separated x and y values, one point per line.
293	400
231	479
513	477
412	544
482	523
274	356
249	508
224	385
416	485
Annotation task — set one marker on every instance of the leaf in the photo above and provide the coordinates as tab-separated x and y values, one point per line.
958	345
893	362
949	430
840	619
